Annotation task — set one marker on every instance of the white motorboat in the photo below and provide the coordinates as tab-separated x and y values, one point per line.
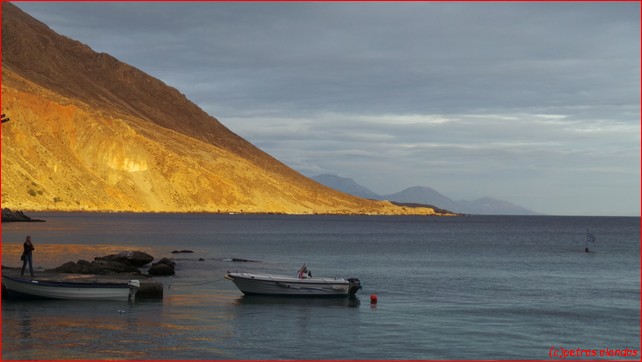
270	284
73	290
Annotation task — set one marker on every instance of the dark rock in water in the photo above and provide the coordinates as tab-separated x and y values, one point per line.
123	262
201	259
150	291
83	262
161	270
134	258
16	216
239	260
181	251
84	267
68	267
109	266
99	267
5	294
167	261
162	267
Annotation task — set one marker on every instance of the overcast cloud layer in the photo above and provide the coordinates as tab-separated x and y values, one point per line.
533	103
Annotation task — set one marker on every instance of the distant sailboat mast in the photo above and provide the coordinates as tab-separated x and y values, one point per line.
589	239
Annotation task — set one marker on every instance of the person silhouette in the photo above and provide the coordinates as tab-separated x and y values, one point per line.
27	252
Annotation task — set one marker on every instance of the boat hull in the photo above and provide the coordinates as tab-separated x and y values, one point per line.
268	284
26	288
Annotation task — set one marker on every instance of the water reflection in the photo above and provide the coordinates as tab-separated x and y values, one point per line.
50	329
247	300
292	328
74	328
25	327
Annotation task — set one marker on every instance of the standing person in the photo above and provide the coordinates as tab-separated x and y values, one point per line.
26	256
303	272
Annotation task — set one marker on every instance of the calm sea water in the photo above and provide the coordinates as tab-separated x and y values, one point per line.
475	287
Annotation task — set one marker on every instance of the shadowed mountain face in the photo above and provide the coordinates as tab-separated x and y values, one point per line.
88	132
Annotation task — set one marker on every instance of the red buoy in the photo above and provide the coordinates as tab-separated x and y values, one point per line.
373	299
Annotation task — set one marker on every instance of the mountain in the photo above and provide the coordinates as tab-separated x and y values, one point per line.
491	206
430	197
347	185
422	195
90	133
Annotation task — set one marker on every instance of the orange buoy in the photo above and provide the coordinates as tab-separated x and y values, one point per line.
373	299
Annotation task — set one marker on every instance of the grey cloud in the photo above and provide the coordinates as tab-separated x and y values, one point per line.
404	58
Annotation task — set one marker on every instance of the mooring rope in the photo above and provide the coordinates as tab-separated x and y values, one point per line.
194	284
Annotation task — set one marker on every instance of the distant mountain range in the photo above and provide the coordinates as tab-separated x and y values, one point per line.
427	196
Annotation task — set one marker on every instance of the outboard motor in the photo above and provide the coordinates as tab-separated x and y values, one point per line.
134	285
354	284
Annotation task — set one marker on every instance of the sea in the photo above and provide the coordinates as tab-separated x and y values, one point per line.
447	288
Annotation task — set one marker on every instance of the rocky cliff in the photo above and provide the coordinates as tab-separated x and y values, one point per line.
90	133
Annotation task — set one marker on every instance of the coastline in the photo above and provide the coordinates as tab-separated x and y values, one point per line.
421	211
9	215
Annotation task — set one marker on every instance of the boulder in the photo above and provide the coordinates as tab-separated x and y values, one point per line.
100	267
123	262
109	266
68	267
241	260
132	257
84	267
163	267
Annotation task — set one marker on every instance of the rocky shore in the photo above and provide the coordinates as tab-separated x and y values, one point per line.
128	262
122	266
16	216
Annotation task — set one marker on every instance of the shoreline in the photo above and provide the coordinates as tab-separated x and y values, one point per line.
436	214
9	215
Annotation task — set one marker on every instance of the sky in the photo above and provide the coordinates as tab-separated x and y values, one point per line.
533	103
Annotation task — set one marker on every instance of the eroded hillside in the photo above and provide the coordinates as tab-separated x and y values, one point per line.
91	133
